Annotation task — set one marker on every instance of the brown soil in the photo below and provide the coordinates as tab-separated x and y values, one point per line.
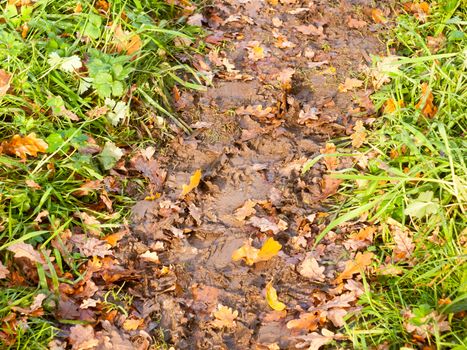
251	156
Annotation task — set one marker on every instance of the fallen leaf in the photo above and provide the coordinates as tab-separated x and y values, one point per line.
3	271
23	146
271	298
314	340
381	73
132	324
269	249
331	162
355	23
378	16
419	10
33	184
224	317
246	210
404	243
110	155
390	106
310	268
253	255
87	303
310	30
90	246
91	224
336	316
361	261
425	104
194	182
307	321
329	186
255	51
359	135
5	79
41	215
424	323
350	84
126	41
82	338
267	226
150	256
25	250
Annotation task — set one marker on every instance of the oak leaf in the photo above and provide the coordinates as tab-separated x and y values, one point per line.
378	16
310	268
314	340
82	337
331	162
25	250
272	299
132	324
23	146
150	256
361	261
350	84
246	210
194	182
307	321
253	255
5	79
359	136
224	317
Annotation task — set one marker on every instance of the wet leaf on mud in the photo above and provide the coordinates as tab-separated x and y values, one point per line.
194	182
5	79
132	324
23	146
310	30
3	271
350	84
255	51
269	249
246	210
253	255
356	23
310	268
361	261
272	299
25	250
425	104
267	226
315	341
224	317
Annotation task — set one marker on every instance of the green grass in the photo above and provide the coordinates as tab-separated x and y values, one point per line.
38	45
416	176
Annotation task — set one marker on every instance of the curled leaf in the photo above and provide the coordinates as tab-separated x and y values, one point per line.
271	298
352	267
253	255
194	182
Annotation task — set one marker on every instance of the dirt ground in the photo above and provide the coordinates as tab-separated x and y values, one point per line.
292	59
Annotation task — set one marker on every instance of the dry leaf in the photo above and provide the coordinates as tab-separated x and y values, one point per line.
310	268
33	184
350	84
224	317
426	326
23	146
194	182
419	10
310	30
331	161
91	224
253	255
267	226
255	51
391	105
355	23
426	102
314	340
5	79
246	210
359	136
271	298
82	338
361	261
3	271
378	16
133	324
404	244
336	316
25	250
126	41
150	256
307	321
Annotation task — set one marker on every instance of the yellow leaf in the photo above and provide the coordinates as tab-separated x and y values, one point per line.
271	298
355	266
269	249
22	146
194	182
225	317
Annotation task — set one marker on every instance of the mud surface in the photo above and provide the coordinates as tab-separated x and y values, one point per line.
247	153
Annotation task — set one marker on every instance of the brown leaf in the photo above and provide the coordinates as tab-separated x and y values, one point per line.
350	84
82	338
331	161
3	271
150	256
310	30
90	246
23	146
33	184
25	250
246	210
307	321
314	340
359	135
310	268
224	317
132	324
126	41
425	327
91	224
253	255
5	79
425	104
87	187
336	316
329	186
378	16
255	51
267	226
355	23
404	244
361	261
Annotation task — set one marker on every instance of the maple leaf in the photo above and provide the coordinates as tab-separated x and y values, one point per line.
224	317
23	146
132	324
425	104
194	182
3	271
359	136
314	340
126	41
310	268
350	84
25	250
5	79
352	267
272	299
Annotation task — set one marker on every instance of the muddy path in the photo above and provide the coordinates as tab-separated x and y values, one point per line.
278	96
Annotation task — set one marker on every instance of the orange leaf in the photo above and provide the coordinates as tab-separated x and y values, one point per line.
24	146
224	317
330	161
5	78
391	105
194	182
126	41
355	266
378	16
425	104
132	324
271	298
307	321
359	136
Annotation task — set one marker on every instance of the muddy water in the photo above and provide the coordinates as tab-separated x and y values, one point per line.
252	157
